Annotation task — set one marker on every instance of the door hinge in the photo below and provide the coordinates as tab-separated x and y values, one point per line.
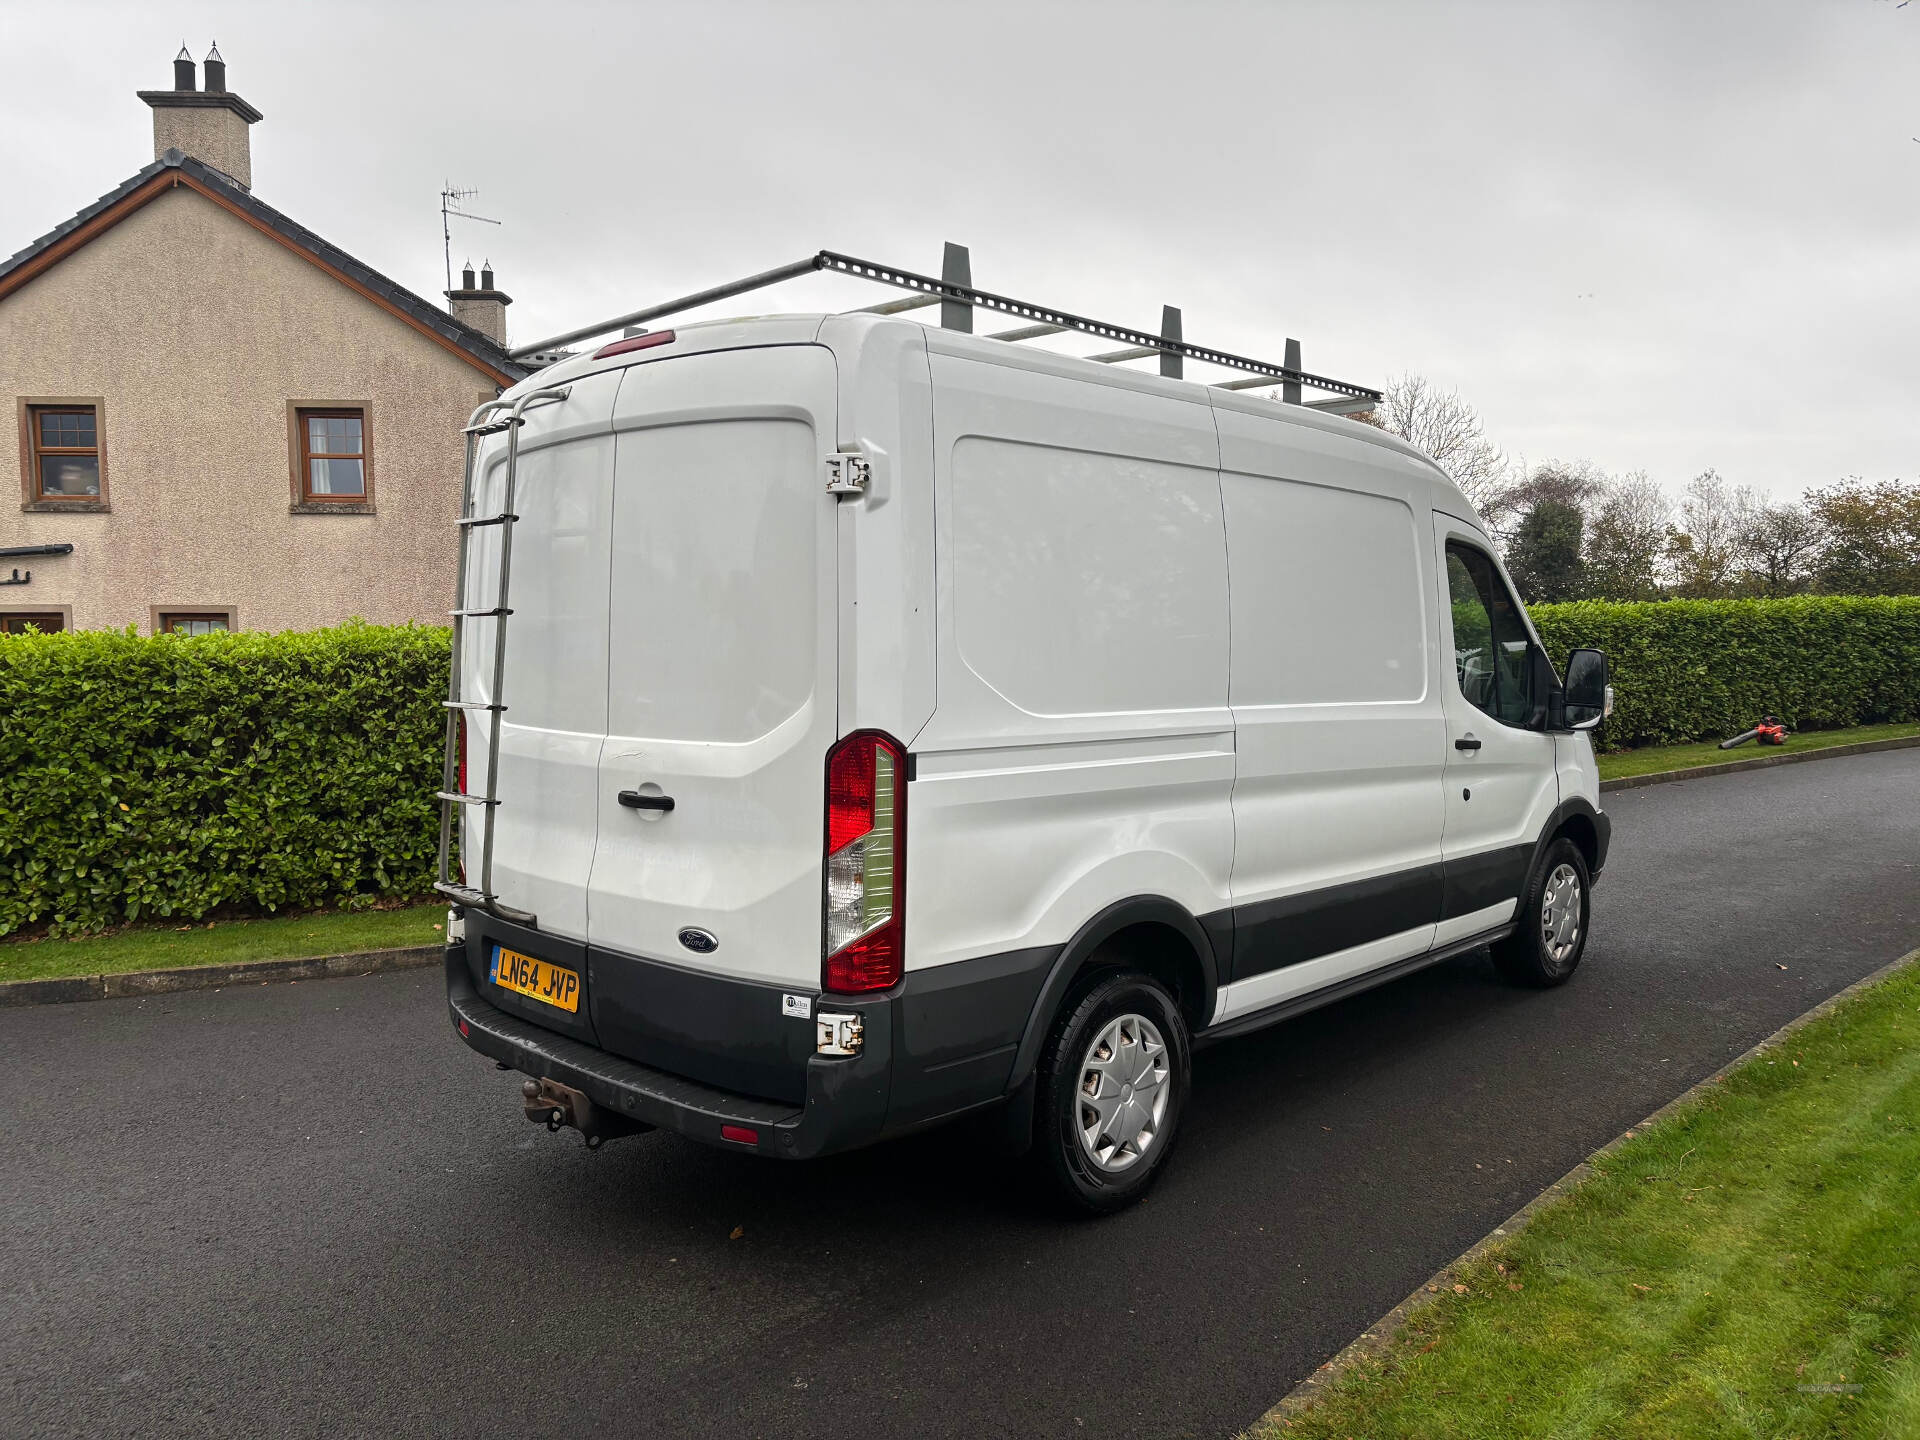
848	474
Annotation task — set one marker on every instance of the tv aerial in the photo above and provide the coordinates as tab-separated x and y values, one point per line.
451	199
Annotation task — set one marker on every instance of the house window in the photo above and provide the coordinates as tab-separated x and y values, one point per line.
193	622
62	462
48	622
333	456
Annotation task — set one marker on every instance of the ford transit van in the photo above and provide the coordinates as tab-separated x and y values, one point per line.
860	724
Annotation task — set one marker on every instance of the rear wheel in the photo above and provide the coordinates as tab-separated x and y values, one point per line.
1112	1085
1550	931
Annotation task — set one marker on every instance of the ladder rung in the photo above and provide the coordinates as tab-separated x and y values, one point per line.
469	523
469	705
459	799
481	614
491	427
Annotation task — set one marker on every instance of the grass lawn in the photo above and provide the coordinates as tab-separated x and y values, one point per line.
225	942
1749	1265
1653	758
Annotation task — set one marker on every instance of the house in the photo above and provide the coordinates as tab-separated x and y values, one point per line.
231	422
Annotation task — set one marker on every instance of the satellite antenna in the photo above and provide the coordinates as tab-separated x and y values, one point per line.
451	198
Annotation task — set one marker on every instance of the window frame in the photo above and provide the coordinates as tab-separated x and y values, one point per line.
162	617
1454	542
28	409
301	501
63	614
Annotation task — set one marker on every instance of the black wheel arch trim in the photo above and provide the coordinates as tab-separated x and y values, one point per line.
1574	805
1074	955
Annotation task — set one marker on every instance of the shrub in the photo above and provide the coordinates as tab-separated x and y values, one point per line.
1706	669
172	776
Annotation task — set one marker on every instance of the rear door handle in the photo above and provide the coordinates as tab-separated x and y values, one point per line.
1465	742
634	800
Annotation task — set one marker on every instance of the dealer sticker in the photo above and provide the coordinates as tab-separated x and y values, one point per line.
798	1006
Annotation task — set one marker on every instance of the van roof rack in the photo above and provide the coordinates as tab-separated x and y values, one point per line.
957	297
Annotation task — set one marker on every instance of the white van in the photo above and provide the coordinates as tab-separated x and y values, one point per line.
896	723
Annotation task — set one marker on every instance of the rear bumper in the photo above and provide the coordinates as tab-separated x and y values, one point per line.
846	1099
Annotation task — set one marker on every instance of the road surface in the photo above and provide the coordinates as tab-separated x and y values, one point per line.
308	1209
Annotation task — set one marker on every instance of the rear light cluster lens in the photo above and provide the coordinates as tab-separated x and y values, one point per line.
866	863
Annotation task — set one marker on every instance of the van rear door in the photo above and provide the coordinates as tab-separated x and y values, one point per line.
554	687
721	665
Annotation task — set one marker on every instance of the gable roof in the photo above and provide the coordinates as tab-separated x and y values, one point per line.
173	170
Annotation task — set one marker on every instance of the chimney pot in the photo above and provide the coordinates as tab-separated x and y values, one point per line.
466	276
486	274
210	127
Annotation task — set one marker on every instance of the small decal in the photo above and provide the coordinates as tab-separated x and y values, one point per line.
798	1006
701	942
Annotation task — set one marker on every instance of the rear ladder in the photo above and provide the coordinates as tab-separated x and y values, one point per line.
449	795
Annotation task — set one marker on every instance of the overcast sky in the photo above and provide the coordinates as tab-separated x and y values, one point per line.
1663	236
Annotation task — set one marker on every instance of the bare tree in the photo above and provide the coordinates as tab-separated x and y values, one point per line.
1709	550
1627	538
1449	429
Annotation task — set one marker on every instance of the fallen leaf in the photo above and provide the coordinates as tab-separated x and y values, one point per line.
1459	1289
1779	967
125	806
1636	1285
1515	1285
738	1231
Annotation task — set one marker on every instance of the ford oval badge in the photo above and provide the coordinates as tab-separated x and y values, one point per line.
699	941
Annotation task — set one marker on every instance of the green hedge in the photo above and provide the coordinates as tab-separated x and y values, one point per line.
169	776
1706	669
173	776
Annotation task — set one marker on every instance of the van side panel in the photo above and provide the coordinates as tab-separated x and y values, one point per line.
1340	733
1082	750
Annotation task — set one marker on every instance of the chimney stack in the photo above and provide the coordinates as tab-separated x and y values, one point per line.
211	125
481	307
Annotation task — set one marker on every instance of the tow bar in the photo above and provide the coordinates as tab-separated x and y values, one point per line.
560	1107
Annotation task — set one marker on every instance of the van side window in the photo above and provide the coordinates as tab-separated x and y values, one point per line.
1489	637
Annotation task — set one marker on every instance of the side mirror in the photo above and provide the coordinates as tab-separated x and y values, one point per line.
1589	698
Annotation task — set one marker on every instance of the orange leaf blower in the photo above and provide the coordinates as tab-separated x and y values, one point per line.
1768	732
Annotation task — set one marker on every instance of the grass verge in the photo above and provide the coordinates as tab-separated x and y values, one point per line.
1744	1266
225	942
1651	759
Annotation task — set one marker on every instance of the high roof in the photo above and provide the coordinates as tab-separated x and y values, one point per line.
175	169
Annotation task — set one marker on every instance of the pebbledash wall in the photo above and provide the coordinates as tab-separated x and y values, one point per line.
193	324
196	331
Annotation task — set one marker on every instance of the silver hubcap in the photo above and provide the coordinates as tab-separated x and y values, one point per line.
1560	913
1123	1092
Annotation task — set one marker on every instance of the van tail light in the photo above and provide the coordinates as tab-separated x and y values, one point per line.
460	781
866	870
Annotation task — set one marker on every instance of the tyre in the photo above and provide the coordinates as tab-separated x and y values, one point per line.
1550	929
1113	1082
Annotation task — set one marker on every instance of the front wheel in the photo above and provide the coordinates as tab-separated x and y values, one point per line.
1550	930
1113	1084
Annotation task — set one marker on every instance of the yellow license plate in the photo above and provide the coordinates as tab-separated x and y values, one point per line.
540	980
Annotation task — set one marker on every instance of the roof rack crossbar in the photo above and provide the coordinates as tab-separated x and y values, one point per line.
1027	332
958	300
898	307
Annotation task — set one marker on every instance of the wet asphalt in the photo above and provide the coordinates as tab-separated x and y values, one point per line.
308	1209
